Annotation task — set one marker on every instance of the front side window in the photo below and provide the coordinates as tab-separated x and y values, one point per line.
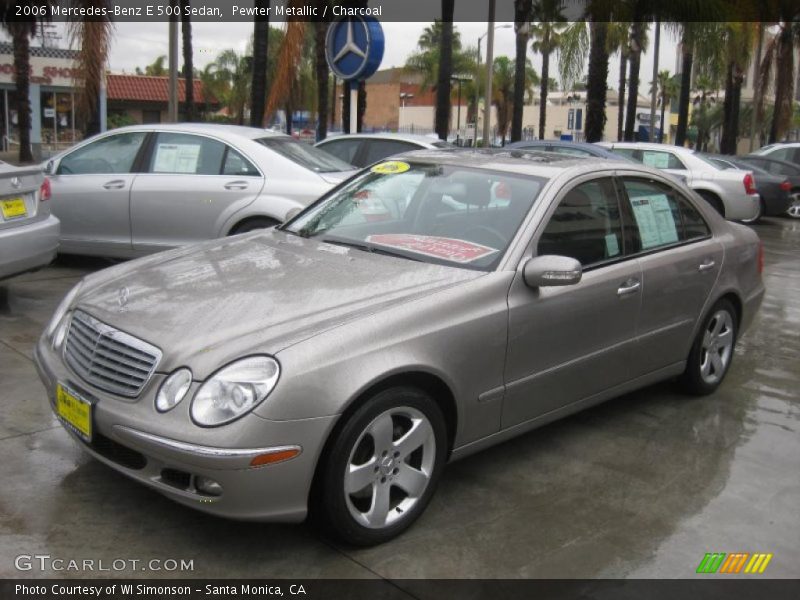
586	225
308	157
186	154
662	216
433	213
112	154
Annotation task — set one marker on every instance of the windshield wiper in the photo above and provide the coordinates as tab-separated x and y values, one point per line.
364	247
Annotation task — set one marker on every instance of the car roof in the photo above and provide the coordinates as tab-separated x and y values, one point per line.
207	128
423	140
647	146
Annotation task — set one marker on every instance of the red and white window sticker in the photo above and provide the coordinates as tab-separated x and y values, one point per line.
460	251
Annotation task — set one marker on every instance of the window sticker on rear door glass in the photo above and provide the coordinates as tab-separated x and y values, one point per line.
176	158
657	160
655	220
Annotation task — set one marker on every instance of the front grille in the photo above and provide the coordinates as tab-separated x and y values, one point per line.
107	358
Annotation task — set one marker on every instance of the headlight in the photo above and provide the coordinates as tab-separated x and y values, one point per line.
234	390
173	389
62	309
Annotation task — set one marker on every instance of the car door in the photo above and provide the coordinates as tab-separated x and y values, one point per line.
191	185
570	343
91	188
680	262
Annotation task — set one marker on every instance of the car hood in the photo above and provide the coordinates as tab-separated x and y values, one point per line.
213	302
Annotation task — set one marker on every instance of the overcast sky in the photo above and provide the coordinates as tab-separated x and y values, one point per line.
139	44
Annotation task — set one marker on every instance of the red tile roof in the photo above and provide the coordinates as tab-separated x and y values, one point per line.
144	88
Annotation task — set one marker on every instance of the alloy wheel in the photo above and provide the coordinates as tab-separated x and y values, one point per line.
794	209
717	347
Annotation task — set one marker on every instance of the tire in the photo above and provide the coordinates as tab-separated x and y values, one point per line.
714	201
398	478
253	224
762	209
794	209
716	337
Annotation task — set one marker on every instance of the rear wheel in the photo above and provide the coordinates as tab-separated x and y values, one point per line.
712	351
383	467
794	207
761	210
253	224
713	200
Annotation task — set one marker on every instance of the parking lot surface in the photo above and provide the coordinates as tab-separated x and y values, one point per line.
642	486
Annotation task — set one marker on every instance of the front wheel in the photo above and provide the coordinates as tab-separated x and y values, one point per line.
712	351
253	224
383	467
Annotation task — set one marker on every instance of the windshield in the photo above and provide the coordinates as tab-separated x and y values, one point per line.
433	213
304	155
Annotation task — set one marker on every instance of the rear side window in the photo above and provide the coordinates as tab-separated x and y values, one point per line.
571	151
236	164
663	217
380	149
345	150
661	160
185	154
112	154
631	153
586	225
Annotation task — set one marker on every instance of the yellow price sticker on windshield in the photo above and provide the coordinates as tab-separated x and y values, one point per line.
391	167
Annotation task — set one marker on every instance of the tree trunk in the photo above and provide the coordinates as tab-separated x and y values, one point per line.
663	107
258	87
289	109
522	17
730	122
543	89
334	99
637	32
596	82
623	65
784	85
321	70
687	60
20	35
442	118
346	85
188	66
362	104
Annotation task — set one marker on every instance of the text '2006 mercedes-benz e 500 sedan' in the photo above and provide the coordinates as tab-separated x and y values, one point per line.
429	307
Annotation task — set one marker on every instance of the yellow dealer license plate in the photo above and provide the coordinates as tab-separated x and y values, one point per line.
13	208
74	411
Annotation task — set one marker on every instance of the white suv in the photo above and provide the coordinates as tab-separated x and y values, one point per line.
731	192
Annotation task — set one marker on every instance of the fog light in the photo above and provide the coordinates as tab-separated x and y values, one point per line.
207	486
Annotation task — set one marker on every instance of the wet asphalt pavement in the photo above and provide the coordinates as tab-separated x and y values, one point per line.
642	486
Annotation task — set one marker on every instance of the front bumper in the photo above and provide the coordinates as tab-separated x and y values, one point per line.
129	436
29	246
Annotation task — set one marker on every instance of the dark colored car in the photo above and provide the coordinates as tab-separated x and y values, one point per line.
569	148
774	190
779	167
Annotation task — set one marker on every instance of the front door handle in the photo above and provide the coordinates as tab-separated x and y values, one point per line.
706	265
117	184
629	287
236	185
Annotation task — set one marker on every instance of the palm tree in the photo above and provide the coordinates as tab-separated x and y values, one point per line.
188	67
322	77
522	28
706	114
227	79
21	33
503	89
258	85
289	55
618	33
667	88
546	32
638	42
442	116
739	38
155	69
779	55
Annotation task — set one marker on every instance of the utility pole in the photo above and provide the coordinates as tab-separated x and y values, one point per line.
172	105
654	91
487	118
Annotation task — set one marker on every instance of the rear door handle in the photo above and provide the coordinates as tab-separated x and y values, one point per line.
706	265
236	185
629	287
117	184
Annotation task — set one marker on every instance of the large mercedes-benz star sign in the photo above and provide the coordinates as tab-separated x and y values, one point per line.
354	48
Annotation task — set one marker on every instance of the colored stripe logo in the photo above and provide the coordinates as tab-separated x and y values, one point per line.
733	563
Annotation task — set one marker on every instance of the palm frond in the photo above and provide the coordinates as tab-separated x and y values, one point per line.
288	59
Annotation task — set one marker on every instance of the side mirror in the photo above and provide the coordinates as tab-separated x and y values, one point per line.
550	270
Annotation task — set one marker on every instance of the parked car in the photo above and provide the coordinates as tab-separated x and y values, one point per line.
140	189
732	193
28	232
338	362
774	190
788	151
363	149
568	148
780	167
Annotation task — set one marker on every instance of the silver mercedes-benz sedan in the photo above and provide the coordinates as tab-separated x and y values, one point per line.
28	232
145	188
337	362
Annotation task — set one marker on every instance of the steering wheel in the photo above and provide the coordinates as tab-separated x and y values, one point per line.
481	231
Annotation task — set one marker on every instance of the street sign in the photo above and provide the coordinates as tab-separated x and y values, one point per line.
354	48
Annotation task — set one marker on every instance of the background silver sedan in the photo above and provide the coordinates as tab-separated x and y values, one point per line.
339	361
141	189
28	232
